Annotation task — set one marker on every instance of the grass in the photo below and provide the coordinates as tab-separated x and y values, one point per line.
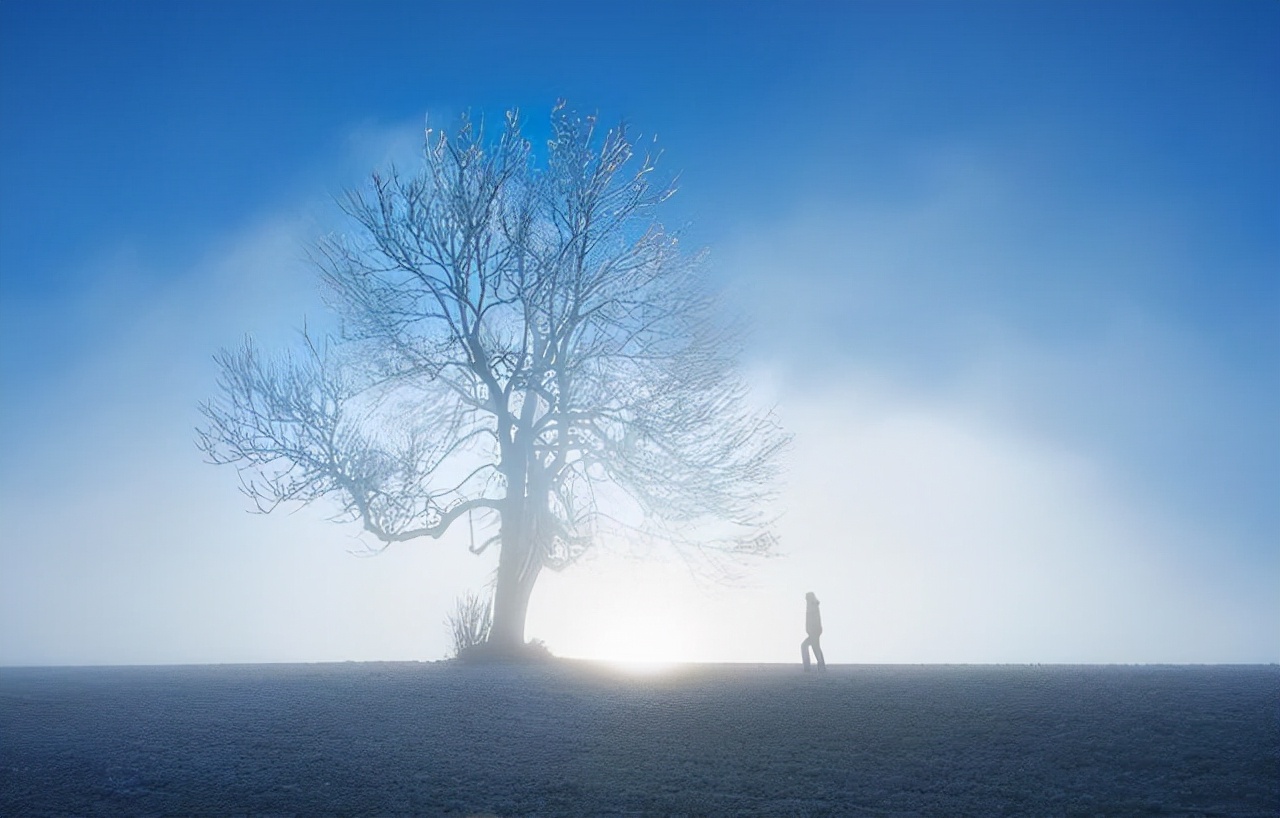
572	738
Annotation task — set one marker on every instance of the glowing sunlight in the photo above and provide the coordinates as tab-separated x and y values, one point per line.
621	612
642	638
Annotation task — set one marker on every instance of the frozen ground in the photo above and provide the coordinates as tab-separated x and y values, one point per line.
573	739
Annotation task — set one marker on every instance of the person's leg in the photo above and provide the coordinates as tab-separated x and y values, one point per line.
804	652
817	651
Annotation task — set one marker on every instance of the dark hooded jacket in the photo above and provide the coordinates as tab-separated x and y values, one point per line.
812	618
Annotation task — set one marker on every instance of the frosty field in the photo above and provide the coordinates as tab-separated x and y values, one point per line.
571	738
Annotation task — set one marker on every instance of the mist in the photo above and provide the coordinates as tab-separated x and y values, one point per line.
1018	309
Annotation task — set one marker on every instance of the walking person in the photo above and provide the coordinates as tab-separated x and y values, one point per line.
813	627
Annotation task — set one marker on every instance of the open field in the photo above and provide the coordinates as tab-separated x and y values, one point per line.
571	738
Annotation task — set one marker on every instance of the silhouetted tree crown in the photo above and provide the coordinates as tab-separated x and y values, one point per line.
521	343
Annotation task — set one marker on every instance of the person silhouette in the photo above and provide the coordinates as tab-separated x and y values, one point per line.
813	627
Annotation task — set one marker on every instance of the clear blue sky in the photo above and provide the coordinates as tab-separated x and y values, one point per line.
1012	270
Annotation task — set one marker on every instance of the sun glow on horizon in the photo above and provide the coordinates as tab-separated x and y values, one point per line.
635	635
640	638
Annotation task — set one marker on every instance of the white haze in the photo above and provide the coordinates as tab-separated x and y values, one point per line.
950	498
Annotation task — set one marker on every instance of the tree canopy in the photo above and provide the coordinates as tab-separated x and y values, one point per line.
521	343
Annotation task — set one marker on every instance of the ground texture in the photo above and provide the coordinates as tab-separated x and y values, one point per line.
572	739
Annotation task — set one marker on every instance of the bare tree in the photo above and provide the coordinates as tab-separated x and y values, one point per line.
521	343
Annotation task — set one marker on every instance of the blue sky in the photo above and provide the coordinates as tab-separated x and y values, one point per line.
1012	273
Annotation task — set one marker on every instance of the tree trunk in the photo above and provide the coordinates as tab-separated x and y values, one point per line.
517	572
510	607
